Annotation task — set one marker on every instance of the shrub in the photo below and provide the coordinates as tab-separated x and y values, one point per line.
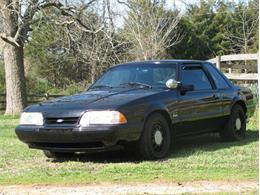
255	91
69	90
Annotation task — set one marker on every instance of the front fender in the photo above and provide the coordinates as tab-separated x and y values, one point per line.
157	107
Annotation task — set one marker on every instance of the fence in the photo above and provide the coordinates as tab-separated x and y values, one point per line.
32	99
248	72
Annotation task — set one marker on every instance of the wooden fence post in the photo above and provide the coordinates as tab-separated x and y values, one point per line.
258	68
218	62
46	96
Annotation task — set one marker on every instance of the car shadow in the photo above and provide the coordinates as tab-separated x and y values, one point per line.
113	156
183	147
208	142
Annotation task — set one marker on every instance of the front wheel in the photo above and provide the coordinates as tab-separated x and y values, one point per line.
235	129
154	142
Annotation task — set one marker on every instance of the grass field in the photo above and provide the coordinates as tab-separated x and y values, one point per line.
202	158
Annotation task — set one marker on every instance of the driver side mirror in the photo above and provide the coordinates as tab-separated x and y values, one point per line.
172	84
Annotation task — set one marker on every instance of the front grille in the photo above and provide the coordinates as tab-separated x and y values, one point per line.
58	121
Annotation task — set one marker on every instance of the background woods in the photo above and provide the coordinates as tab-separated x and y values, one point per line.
62	46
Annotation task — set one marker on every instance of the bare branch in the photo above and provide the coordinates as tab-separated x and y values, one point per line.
9	40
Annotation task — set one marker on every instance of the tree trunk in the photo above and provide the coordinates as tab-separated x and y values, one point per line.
15	79
13	59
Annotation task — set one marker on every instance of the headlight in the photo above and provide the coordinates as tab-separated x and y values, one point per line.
102	117
31	118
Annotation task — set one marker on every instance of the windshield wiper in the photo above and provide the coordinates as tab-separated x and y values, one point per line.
101	86
137	84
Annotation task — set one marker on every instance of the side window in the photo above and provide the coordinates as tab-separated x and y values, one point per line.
218	79
195	76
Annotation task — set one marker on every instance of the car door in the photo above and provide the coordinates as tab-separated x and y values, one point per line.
224	89
198	109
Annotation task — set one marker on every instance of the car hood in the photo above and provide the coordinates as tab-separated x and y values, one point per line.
75	105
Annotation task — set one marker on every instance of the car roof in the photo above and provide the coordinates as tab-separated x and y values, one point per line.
162	62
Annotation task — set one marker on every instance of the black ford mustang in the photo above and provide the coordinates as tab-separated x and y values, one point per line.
142	105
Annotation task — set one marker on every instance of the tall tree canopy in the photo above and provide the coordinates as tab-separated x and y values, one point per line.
218	27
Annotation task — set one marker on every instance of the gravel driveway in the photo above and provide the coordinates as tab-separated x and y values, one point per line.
146	188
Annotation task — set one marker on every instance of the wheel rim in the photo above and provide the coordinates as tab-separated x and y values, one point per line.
158	137
239	124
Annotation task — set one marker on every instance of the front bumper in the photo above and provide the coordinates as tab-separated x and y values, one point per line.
76	139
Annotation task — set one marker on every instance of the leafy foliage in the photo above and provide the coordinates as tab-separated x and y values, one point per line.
49	57
62	55
217	27
255	90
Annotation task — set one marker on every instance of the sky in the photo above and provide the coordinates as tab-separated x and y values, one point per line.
180	3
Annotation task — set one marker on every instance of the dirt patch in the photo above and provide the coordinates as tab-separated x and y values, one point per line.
145	188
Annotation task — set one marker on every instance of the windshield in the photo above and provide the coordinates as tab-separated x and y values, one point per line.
148	75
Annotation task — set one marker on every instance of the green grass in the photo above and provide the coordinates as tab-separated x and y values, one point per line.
200	158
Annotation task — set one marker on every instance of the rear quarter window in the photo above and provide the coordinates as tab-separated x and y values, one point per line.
218	79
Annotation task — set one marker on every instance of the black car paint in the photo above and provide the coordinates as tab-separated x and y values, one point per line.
188	113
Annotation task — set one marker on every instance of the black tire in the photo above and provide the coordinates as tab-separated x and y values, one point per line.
155	140
56	155
235	129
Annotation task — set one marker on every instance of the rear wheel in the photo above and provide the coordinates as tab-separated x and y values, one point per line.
235	129
50	154
154	142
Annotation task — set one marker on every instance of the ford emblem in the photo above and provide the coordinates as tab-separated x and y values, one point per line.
59	120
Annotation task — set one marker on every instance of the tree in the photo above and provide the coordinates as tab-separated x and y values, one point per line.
97	51
50	57
18	16
220	21
59	45
217	28
243	30
196	42
150	29
13	58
